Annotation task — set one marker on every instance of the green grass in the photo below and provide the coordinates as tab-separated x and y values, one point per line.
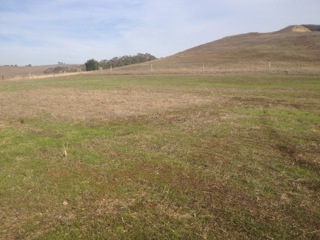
244	166
101	82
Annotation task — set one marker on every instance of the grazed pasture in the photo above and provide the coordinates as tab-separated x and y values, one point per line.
160	157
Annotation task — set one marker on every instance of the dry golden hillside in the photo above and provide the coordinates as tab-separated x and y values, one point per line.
292	49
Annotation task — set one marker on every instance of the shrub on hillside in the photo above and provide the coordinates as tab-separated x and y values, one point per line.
126	60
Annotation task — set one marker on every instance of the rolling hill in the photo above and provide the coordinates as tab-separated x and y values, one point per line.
295	48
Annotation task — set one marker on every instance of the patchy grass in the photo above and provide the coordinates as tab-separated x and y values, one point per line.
160	157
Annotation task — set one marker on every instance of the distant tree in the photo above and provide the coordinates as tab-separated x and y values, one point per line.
92	65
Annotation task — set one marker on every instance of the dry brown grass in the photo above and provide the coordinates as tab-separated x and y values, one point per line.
97	105
11	71
277	52
33	72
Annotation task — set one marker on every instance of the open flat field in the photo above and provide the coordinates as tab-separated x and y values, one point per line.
160	157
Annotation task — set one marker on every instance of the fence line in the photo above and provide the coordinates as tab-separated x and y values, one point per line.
183	69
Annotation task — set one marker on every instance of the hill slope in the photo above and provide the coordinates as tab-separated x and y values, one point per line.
294	48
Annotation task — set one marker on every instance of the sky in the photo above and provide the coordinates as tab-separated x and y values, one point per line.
42	32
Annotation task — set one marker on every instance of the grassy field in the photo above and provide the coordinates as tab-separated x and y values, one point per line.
160	157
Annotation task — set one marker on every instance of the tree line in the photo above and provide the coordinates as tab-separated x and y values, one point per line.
118	61
63	69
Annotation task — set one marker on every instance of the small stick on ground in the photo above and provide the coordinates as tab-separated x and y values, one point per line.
65	154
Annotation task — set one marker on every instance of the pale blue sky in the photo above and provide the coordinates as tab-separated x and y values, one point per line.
40	32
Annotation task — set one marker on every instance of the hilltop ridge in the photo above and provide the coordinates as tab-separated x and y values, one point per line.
295	28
